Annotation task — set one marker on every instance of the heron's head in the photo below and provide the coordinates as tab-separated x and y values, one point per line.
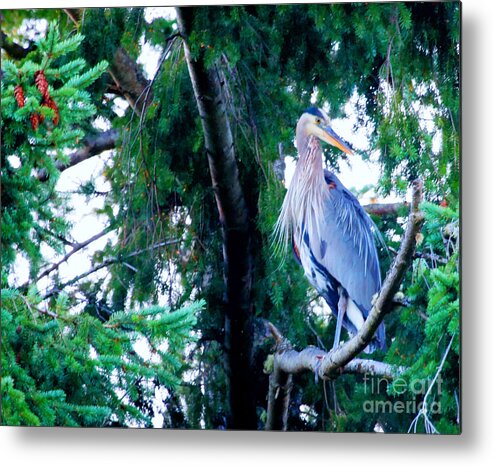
315	121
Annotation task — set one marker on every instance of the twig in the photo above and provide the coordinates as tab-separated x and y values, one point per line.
104	264
430	256
423	412
77	247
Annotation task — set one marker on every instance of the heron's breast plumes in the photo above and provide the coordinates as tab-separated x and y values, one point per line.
302	209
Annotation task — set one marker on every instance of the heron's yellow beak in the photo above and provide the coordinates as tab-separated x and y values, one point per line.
328	135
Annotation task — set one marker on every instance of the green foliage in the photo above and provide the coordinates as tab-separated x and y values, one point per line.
434	310
102	371
398	62
32	212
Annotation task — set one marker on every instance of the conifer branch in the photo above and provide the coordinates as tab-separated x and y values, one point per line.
93	145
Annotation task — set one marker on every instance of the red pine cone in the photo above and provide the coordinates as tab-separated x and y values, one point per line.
50	103
34	121
19	95
42	84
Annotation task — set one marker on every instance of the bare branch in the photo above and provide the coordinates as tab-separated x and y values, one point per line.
129	80
77	247
73	14
14	50
280	385
289	360
430	257
383	210
114	260
93	145
275	333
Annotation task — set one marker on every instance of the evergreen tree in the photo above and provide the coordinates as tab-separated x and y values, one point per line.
398	63
63	365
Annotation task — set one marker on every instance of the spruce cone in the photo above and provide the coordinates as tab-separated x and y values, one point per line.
19	95
42	84
34	121
50	103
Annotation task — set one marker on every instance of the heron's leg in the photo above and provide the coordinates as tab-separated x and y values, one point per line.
341	310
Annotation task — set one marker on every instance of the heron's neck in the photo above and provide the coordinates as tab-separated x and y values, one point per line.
307	190
310	166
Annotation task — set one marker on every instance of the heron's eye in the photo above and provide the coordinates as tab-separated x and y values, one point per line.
318	121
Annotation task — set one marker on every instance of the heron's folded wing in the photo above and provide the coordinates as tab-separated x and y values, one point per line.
347	249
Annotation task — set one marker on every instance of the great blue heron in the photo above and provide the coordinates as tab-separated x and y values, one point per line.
330	232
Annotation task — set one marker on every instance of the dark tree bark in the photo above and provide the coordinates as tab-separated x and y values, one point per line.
16	51
93	145
130	81
234	216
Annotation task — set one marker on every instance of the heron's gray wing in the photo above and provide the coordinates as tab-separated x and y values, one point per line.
347	249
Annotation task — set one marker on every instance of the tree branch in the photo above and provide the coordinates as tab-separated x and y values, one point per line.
93	145
16	51
291	361
385	209
130	81
77	247
280	385
114	260
73	14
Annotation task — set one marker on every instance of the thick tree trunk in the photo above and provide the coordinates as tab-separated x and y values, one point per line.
233	214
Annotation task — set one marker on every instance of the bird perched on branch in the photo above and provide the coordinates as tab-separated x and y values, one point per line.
331	234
